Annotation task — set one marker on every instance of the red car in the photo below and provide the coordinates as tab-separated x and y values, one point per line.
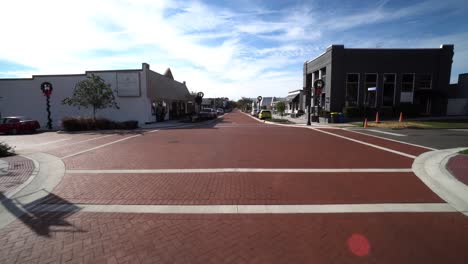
18	124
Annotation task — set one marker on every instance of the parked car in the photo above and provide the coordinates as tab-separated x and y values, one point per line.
264	114
220	111
18	124
208	113
254	112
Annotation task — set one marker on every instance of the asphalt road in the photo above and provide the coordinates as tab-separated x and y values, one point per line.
234	191
433	138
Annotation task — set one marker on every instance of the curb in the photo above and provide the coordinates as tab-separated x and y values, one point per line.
430	167
50	171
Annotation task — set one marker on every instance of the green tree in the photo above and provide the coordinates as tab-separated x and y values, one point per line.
92	92
281	107
245	104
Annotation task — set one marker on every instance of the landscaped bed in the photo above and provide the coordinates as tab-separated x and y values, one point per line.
83	124
416	124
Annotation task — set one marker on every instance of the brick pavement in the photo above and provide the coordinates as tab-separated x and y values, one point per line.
45	237
317	238
244	188
243	147
413	150
458	166
15	173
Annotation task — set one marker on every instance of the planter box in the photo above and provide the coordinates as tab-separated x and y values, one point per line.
323	120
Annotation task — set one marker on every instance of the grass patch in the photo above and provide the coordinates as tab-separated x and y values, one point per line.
464	152
415	124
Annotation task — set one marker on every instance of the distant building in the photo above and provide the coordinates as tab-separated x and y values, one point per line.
141	94
266	103
382	78
276	100
458	96
295	101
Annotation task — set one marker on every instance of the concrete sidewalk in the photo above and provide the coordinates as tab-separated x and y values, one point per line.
302	120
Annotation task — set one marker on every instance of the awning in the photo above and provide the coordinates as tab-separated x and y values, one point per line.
292	98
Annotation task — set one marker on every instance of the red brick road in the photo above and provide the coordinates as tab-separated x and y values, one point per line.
237	142
317	238
245	188
242	147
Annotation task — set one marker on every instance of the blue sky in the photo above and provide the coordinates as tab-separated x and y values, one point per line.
223	48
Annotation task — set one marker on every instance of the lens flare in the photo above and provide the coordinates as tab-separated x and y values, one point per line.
359	245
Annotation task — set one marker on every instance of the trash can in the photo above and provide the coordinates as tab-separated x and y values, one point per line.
333	117
341	118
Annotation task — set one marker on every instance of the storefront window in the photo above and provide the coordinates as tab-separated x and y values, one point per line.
352	85
388	89
370	89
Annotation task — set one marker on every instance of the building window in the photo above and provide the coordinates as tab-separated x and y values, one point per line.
388	89
407	82
352	85
407	88
323	74
370	89
424	81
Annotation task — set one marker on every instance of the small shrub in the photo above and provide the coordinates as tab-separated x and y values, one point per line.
6	150
82	124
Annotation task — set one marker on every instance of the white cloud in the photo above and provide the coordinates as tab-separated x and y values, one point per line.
209	47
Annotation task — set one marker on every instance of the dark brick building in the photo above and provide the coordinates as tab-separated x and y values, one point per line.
383	79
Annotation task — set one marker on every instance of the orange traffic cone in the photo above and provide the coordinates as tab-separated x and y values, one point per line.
377	117
401	117
365	123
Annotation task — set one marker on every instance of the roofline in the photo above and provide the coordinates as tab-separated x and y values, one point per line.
67	75
298	90
330	48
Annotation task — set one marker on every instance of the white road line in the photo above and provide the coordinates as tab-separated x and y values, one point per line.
223	170
98	147
83	141
365	143
253	209
354	140
389	139
388	133
51	142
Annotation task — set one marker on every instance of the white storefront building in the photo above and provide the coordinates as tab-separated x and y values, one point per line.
138	93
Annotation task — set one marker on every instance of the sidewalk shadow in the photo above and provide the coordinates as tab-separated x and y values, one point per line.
40	216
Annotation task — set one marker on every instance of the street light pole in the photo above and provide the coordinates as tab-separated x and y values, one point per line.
308	90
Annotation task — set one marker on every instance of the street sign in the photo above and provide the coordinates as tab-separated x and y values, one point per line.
200	94
319	84
259	98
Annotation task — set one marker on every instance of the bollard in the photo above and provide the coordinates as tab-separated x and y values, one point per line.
377	117
401	117
365	123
